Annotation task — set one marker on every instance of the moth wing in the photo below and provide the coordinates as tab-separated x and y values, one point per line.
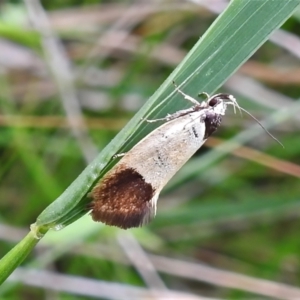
123	199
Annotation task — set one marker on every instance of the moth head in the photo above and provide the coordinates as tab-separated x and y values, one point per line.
219	102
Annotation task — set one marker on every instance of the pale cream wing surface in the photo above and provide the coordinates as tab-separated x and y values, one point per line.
164	151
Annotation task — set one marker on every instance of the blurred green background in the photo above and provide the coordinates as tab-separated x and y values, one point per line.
229	232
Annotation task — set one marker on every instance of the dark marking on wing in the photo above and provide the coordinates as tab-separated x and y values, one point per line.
195	132
123	199
160	158
212	122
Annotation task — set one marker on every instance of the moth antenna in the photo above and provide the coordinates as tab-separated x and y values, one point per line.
235	104
261	125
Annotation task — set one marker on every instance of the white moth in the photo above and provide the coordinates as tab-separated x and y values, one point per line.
127	195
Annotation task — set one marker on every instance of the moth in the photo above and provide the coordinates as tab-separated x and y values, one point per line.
127	195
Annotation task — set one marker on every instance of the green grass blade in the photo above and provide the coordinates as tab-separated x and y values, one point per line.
15	257
231	39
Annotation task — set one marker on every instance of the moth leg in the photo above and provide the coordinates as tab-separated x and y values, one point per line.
185	96
119	155
182	112
167	118
173	116
205	94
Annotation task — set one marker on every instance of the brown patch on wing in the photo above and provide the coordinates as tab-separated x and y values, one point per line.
123	199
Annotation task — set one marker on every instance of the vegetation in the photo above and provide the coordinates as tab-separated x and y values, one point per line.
71	86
